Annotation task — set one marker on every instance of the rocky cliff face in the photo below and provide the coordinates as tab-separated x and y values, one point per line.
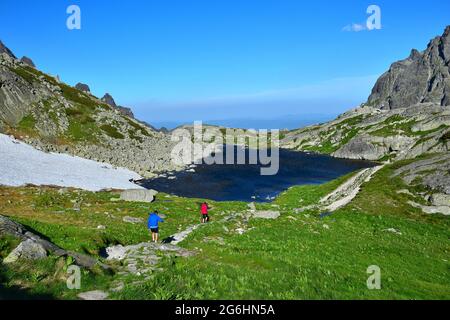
17	93
4	49
424	77
407	114
53	116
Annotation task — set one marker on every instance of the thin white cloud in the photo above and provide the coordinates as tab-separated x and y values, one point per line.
355	27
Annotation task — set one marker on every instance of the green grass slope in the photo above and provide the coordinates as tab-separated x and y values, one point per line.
297	256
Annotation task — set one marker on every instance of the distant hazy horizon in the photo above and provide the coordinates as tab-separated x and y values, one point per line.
290	123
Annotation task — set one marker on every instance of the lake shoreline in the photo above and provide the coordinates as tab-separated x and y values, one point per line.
235	182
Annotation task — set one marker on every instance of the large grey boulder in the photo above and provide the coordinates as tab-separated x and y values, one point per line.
118	252
445	210
132	220
28	249
362	147
138	195
16	230
95	295
440	199
266	214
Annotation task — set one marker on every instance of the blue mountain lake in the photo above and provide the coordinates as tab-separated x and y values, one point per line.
245	183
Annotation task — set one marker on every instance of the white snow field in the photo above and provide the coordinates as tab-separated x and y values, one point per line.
21	164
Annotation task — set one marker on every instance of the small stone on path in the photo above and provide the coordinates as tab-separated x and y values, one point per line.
95	295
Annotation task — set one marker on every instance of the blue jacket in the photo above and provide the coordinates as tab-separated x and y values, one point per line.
153	221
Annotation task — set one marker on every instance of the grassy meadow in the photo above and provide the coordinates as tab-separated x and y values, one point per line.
302	255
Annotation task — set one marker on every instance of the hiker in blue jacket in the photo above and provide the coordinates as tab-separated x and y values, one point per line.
153	225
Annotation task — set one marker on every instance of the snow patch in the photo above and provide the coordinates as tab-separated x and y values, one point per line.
21	164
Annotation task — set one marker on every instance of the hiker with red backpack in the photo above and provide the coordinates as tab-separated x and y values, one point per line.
204	210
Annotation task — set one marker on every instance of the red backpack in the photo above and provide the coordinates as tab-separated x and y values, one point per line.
204	208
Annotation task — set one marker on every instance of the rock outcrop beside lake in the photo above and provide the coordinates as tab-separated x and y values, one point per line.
406	116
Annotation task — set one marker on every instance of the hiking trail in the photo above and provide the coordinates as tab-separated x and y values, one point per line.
347	191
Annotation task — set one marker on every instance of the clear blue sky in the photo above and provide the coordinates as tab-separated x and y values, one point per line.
185	60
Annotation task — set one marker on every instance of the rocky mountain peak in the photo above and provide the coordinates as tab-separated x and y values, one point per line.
83	87
108	99
415	54
424	77
28	61
4	49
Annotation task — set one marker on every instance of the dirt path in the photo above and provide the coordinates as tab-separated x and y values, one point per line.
347	191
180	236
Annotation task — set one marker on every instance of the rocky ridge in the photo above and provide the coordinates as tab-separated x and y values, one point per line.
424	77
407	116
55	117
108	99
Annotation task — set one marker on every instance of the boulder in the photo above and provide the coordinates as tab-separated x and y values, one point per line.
28	249
393	230
118	252
445	210
93	295
440	199
16	230
132	220
361	147
138	195
266	214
